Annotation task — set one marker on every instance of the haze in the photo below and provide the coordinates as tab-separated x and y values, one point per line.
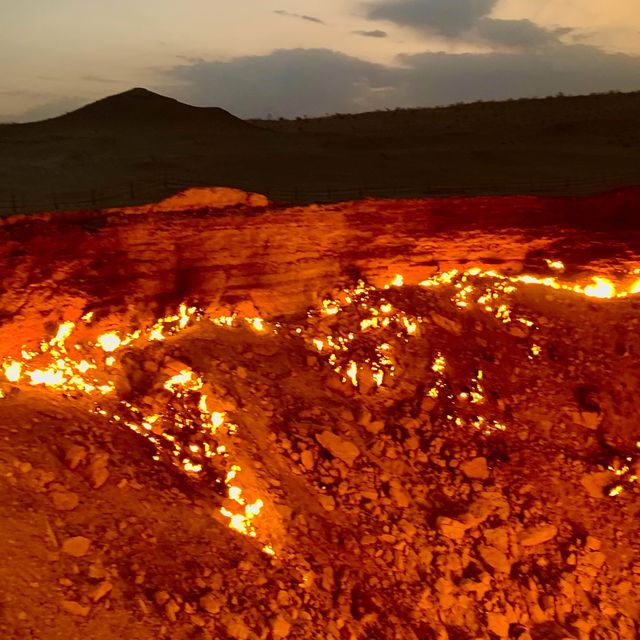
287	58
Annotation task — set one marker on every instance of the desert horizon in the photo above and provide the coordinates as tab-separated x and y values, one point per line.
533	146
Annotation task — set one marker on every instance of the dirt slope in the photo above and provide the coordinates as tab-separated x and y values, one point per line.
295	453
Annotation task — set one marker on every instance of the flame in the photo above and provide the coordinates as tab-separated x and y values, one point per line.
12	371
109	341
256	323
64	331
557	265
601	288
352	373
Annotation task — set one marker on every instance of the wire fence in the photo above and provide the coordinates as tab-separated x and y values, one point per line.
140	192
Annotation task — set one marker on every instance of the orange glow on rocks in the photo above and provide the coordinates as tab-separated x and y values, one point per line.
417	427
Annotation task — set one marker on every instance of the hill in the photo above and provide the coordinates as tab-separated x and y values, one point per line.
114	147
143	108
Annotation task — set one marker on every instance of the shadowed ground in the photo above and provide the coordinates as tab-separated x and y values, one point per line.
134	146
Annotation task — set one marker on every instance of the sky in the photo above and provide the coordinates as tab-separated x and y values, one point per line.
289	58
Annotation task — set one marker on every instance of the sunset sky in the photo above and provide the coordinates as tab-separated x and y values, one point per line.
297	57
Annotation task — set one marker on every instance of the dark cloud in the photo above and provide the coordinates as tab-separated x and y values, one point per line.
287	82
372	34
466	21
515	34
318	81
444	17
282	12
440	78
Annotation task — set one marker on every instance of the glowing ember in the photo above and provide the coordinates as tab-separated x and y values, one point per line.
601	288
109	342
12	371
557	265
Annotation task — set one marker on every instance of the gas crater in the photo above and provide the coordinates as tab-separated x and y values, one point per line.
376	419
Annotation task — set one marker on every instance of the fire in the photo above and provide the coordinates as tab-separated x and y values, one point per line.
557	265
352	373
12	371
439	364
601	288
109	342
64	331
379	325
256	323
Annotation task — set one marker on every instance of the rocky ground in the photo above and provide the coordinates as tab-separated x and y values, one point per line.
428	462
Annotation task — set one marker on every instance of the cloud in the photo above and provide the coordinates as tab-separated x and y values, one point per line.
516	34
287	82
466	21
444	17
45	111
294	82
441	78
282	12
100	80
372	34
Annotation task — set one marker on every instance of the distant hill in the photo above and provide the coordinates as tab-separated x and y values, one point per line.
143	108
139	146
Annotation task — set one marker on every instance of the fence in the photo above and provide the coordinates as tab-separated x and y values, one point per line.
141	192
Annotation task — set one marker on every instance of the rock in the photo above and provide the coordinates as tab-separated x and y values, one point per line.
74	455
280	627
306	457
236	628
586	419
495	559
97	470
452	326
65	500
97	571
171	610
375	427
75	608
453	529
595	483
498	624
475	469
101	591
339	448
538	535
328	579
210	603
78	546
328	503
365	380
399	495
518	331
593	543
161	597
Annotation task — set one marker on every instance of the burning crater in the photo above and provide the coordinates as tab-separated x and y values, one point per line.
412	428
